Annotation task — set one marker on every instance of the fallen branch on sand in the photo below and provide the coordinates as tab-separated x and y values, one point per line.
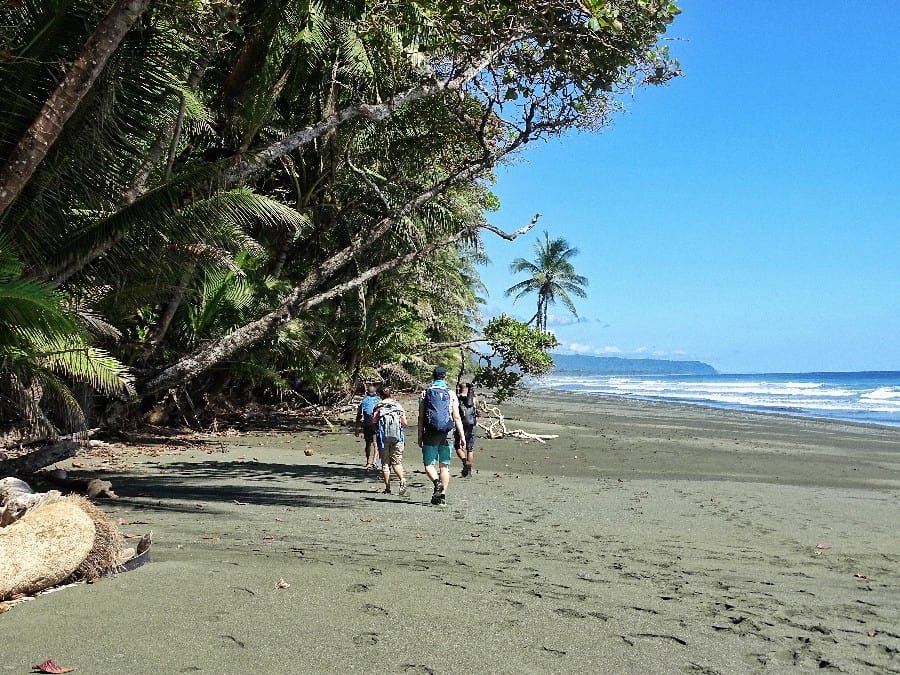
495	426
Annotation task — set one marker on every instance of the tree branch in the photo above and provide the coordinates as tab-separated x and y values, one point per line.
511	235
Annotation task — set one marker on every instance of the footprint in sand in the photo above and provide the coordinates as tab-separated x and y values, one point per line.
570	613
374	610
417	669
357	588
366	639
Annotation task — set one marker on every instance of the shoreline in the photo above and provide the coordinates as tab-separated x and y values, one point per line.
646	538
853	397
549	391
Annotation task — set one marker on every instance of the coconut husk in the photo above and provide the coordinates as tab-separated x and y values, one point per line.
107	549
44	548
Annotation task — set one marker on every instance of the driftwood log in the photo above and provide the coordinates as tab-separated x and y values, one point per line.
17	497
495	426
39	458
93	488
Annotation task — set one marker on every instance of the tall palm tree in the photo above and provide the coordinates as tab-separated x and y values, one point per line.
551	275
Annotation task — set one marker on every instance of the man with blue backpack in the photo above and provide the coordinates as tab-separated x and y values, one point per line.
364	413
438	420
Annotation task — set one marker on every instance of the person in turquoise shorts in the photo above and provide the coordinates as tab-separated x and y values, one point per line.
438	420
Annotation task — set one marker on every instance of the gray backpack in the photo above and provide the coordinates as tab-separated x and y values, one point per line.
390	424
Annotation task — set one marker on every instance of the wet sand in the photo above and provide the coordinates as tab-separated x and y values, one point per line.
647	538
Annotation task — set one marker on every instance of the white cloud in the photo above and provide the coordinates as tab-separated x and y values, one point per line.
581	348
565	319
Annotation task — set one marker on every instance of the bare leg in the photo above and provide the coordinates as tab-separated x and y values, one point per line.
432	472
445	476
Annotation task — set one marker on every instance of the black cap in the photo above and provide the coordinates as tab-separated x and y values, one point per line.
439	373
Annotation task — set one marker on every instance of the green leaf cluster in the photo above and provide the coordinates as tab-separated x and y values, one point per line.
519	351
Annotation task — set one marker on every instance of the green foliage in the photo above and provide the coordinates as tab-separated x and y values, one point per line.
44	350
518	351
144	221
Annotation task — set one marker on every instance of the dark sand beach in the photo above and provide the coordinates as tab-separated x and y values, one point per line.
647	538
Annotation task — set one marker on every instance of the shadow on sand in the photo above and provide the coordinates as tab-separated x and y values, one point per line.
181	486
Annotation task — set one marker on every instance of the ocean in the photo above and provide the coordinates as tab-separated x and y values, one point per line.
867	397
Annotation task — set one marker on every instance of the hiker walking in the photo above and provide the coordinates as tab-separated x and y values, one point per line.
438	419
364	413
389	419
468	413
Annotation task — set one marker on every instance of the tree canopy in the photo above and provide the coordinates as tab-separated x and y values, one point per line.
225	197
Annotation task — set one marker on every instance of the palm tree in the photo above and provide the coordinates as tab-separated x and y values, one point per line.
551	275
44	351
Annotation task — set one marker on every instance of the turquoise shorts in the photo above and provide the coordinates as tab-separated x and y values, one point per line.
436	453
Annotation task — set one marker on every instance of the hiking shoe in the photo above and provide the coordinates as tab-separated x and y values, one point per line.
387	491
402	490
440	500
467	469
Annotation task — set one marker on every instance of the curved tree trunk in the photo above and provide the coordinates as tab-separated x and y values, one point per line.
64	101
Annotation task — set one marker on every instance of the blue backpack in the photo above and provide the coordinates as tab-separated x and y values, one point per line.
438	418
368	408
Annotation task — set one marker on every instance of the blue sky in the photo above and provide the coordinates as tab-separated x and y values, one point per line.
747	214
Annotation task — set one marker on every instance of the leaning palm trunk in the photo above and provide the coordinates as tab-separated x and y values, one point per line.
77	82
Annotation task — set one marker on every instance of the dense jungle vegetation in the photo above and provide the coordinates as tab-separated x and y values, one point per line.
206	201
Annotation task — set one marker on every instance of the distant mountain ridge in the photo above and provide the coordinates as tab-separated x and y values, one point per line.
614	365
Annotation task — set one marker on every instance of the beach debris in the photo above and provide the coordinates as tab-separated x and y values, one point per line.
309	451
281	583
495	426
4	607
238	502
51	666
268	537
418	536
860	576
475	534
